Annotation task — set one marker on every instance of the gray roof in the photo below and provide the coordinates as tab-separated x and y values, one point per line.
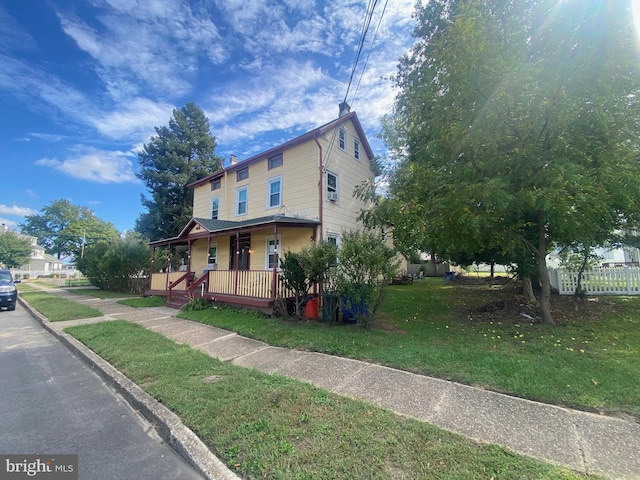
228	226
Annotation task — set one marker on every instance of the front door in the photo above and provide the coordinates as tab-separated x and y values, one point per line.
240	250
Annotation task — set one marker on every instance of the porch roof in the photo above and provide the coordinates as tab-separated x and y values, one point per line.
230	226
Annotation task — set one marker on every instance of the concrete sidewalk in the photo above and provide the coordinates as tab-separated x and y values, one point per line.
582	441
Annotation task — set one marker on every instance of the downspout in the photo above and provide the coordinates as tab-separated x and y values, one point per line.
320	189
320	212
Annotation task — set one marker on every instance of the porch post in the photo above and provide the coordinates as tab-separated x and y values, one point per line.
168	265
235	291
274	281
189	257
153	260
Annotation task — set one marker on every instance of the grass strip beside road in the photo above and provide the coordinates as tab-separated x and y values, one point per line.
271	427
95	292
587	363
57	309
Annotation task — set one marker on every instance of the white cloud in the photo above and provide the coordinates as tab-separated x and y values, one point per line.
134	120
16	211
158	43
94	165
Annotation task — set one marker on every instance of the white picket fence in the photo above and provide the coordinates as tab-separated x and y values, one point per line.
602	281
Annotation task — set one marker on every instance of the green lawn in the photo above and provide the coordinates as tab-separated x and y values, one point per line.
270	427
141	302
587	362
56	309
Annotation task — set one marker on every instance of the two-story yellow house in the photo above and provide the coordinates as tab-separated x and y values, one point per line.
244	215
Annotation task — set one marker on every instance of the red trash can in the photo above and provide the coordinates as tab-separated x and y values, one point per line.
311	308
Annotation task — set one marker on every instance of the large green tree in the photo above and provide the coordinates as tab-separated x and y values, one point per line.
64	229
177	155
14	250
517	127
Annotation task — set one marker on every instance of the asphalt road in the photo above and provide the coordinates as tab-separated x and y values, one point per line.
52	403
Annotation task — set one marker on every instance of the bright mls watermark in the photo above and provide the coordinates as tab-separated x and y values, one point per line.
50	467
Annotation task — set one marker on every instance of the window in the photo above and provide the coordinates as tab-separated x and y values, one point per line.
213	254
275	161
332	186
215	208
274	192
356	148
272	252
242	174
342	138
333	239
241	201
216	184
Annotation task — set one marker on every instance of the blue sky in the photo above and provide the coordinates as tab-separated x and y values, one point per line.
84	82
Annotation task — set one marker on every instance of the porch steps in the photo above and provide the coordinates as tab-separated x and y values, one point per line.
177	301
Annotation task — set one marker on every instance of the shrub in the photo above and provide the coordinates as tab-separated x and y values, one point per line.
365	267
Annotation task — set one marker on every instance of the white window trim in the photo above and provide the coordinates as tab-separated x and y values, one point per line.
334	235
278	249
269	182
326	188
342	132
215	260
213	199
238	190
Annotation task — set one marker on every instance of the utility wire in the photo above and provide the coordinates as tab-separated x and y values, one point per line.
375	35
365	28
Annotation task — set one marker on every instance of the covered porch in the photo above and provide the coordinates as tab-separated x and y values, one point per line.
233	262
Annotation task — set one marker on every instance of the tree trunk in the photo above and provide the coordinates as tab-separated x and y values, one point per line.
543	272
493	267
583	266
527	290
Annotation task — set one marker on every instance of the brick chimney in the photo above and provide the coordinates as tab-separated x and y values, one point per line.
343	109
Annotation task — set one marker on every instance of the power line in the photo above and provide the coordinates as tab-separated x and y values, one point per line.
375	35
365	28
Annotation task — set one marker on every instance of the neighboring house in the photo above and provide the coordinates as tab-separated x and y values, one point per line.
245	215
40	262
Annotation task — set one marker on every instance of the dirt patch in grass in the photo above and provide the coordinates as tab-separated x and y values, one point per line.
501	299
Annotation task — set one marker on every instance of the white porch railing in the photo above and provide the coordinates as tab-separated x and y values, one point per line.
602	281
241	283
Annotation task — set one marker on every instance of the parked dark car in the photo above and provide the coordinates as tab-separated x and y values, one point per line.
8	290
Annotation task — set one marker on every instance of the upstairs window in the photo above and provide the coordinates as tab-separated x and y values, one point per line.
275	161
342	138
241	201
215	208
216	184
242	174
274	192
356	148
332	187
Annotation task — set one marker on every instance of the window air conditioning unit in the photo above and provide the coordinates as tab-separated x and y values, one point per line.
332	196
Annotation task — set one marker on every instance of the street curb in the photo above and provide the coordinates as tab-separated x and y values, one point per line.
168	425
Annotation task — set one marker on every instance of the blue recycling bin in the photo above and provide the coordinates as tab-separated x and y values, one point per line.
449	276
